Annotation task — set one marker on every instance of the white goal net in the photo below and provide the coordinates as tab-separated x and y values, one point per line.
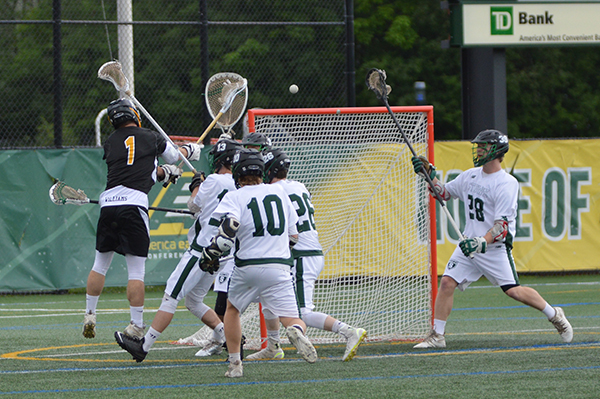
372	213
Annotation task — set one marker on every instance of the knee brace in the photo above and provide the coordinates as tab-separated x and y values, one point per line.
136	267
102	262
168	304
221	303
313	319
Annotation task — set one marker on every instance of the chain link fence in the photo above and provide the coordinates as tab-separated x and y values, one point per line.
50	51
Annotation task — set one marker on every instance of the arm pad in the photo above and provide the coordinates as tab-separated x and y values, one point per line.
499	230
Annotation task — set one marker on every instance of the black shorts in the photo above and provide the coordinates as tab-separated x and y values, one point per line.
123	229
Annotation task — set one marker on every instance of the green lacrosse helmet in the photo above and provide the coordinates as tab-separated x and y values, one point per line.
498	146
222	154
247	162
257	140
275	161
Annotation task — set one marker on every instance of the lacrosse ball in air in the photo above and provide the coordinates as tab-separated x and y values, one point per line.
293	89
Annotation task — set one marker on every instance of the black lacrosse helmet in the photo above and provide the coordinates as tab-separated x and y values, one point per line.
247	162
275	161
222	154
121	111
257	140
498	146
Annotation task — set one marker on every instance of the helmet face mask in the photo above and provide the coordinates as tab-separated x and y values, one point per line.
247	162
275	161
222	154
489	145
121	111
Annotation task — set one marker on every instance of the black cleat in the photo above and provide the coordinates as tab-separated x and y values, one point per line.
132	345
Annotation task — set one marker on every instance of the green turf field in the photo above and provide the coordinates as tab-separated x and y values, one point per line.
497	348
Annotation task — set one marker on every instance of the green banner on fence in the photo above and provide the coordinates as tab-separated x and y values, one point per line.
51	247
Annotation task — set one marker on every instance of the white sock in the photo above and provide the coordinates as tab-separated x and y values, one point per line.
339	327
549	311
219	333
150	338
439	326
91	302
234	356
299	328
273	337
137	315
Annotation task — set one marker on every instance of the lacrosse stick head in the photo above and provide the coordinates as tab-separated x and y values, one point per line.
376	82
62	194
113	72
226	93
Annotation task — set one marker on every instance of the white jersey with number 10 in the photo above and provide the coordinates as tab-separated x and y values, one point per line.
267	219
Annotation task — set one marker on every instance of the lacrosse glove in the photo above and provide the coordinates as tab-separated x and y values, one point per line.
422	167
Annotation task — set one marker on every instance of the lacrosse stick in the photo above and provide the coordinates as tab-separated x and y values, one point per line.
224	89
376	82
112	72
226	97
62	194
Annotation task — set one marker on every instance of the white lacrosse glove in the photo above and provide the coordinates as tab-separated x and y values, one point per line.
172	173
193	151
473	245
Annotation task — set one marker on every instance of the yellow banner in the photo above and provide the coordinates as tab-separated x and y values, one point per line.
558	218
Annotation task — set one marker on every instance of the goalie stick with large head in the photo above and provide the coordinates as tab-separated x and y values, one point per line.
376	82
62	194
226	97
112	72
225	92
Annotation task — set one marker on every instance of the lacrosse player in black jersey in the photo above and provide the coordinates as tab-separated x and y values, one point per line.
131	154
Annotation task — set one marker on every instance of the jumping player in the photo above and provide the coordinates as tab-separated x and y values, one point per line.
188	280
131	153
490	197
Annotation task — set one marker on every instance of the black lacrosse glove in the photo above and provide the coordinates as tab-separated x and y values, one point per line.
209	262
197	180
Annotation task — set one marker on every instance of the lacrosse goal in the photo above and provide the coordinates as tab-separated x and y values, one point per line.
374	215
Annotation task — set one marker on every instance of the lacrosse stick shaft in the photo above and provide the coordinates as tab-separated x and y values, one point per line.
158	208
160	130
437	195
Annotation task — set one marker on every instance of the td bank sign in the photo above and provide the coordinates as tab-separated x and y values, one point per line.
522	23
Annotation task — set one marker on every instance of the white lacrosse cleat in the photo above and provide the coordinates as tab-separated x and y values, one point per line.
134	331
235	370
302	344
272	351
562	325
433	340
355	337
89	325
210	349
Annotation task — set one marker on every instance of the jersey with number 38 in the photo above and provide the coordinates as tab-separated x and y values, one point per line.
267	219
487	198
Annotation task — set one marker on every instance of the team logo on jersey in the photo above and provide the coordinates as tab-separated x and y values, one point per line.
222	278
451	264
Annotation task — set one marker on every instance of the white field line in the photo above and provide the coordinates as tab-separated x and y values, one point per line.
70	312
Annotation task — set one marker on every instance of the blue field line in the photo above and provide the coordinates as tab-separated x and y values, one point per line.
312	381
